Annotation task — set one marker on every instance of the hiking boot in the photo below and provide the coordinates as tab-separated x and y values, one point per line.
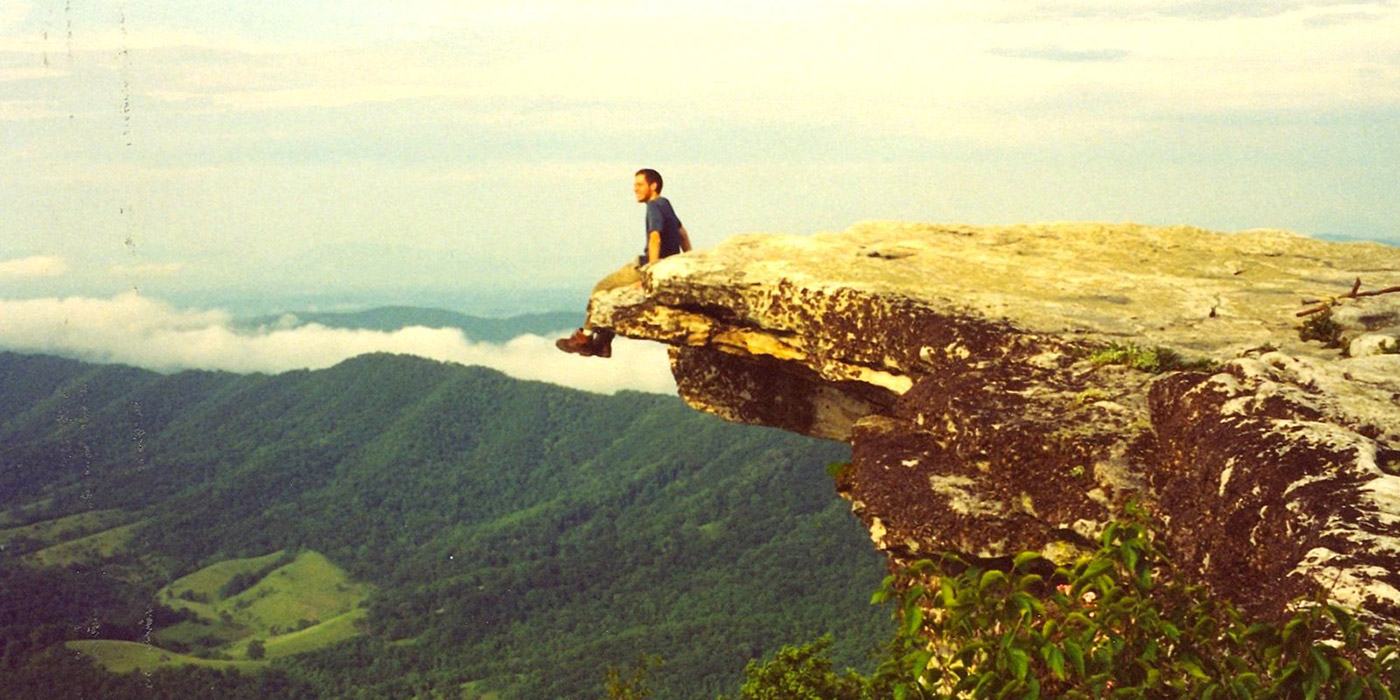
578	344
601	344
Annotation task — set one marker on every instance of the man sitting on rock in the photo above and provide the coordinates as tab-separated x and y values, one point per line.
665	236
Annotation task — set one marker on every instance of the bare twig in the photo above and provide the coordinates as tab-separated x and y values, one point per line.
1355	293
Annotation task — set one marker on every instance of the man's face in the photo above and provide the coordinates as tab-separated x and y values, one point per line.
644	190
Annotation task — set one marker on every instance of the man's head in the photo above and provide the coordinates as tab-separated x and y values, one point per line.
647	185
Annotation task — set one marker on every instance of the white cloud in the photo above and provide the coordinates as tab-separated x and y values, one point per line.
136	330
147	270
34	266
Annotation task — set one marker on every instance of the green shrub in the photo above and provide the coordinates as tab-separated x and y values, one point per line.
1117	624
1151	360
802	673
1322	328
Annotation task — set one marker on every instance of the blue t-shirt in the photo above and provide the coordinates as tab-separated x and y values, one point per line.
661	217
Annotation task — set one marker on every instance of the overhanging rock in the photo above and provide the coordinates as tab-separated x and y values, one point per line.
967	368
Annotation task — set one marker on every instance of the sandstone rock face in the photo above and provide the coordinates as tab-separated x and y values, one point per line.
979	375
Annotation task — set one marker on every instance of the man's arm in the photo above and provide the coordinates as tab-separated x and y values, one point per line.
653	247
685	241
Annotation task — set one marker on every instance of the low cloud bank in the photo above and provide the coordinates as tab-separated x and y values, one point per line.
143	332
34	266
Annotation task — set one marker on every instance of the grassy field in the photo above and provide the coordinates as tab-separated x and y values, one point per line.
201	633
334	630
92	548
121	657
305	592
23	513
199	591
51	532
305	604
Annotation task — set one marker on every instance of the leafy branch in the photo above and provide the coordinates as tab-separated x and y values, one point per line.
1116	624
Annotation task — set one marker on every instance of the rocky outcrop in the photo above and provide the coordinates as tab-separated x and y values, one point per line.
1005	389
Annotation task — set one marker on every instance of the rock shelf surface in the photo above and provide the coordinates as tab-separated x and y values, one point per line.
1007	388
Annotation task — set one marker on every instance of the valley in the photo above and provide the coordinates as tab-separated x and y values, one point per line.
400	527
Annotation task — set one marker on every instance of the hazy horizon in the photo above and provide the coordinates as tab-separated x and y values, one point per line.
145	332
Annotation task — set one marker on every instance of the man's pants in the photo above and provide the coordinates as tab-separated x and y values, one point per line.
626	275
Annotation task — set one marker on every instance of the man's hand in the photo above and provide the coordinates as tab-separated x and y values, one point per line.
685	241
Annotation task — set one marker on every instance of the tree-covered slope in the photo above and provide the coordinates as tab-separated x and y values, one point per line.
520	536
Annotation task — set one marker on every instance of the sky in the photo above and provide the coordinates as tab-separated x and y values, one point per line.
221	157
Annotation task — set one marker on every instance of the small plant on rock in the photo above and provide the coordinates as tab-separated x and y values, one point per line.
1092	395
1152	360
1322	328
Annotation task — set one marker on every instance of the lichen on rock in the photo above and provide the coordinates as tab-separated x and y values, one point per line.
965	366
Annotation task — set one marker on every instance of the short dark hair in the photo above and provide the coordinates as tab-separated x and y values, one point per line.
653	178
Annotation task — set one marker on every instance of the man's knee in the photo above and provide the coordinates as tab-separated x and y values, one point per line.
627	274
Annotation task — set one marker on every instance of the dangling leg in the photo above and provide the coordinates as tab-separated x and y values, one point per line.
578	344
590	341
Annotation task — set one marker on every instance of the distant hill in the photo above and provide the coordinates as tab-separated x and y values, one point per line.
392	318
512	538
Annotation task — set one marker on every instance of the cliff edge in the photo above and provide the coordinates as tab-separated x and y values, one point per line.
1006	388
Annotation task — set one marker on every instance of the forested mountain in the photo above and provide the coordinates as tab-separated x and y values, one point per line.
390	318
517	537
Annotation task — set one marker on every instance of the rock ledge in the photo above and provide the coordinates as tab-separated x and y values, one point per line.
966	367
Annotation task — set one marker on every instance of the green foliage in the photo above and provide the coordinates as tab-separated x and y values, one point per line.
802	673
1322	328
1152	360
256	649
1092	395
1117	624
631	683
519	536
58	674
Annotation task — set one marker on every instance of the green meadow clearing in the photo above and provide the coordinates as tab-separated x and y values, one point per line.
286	603
199	592
334	630
58	530
122	657
289	602
94	547
17	514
